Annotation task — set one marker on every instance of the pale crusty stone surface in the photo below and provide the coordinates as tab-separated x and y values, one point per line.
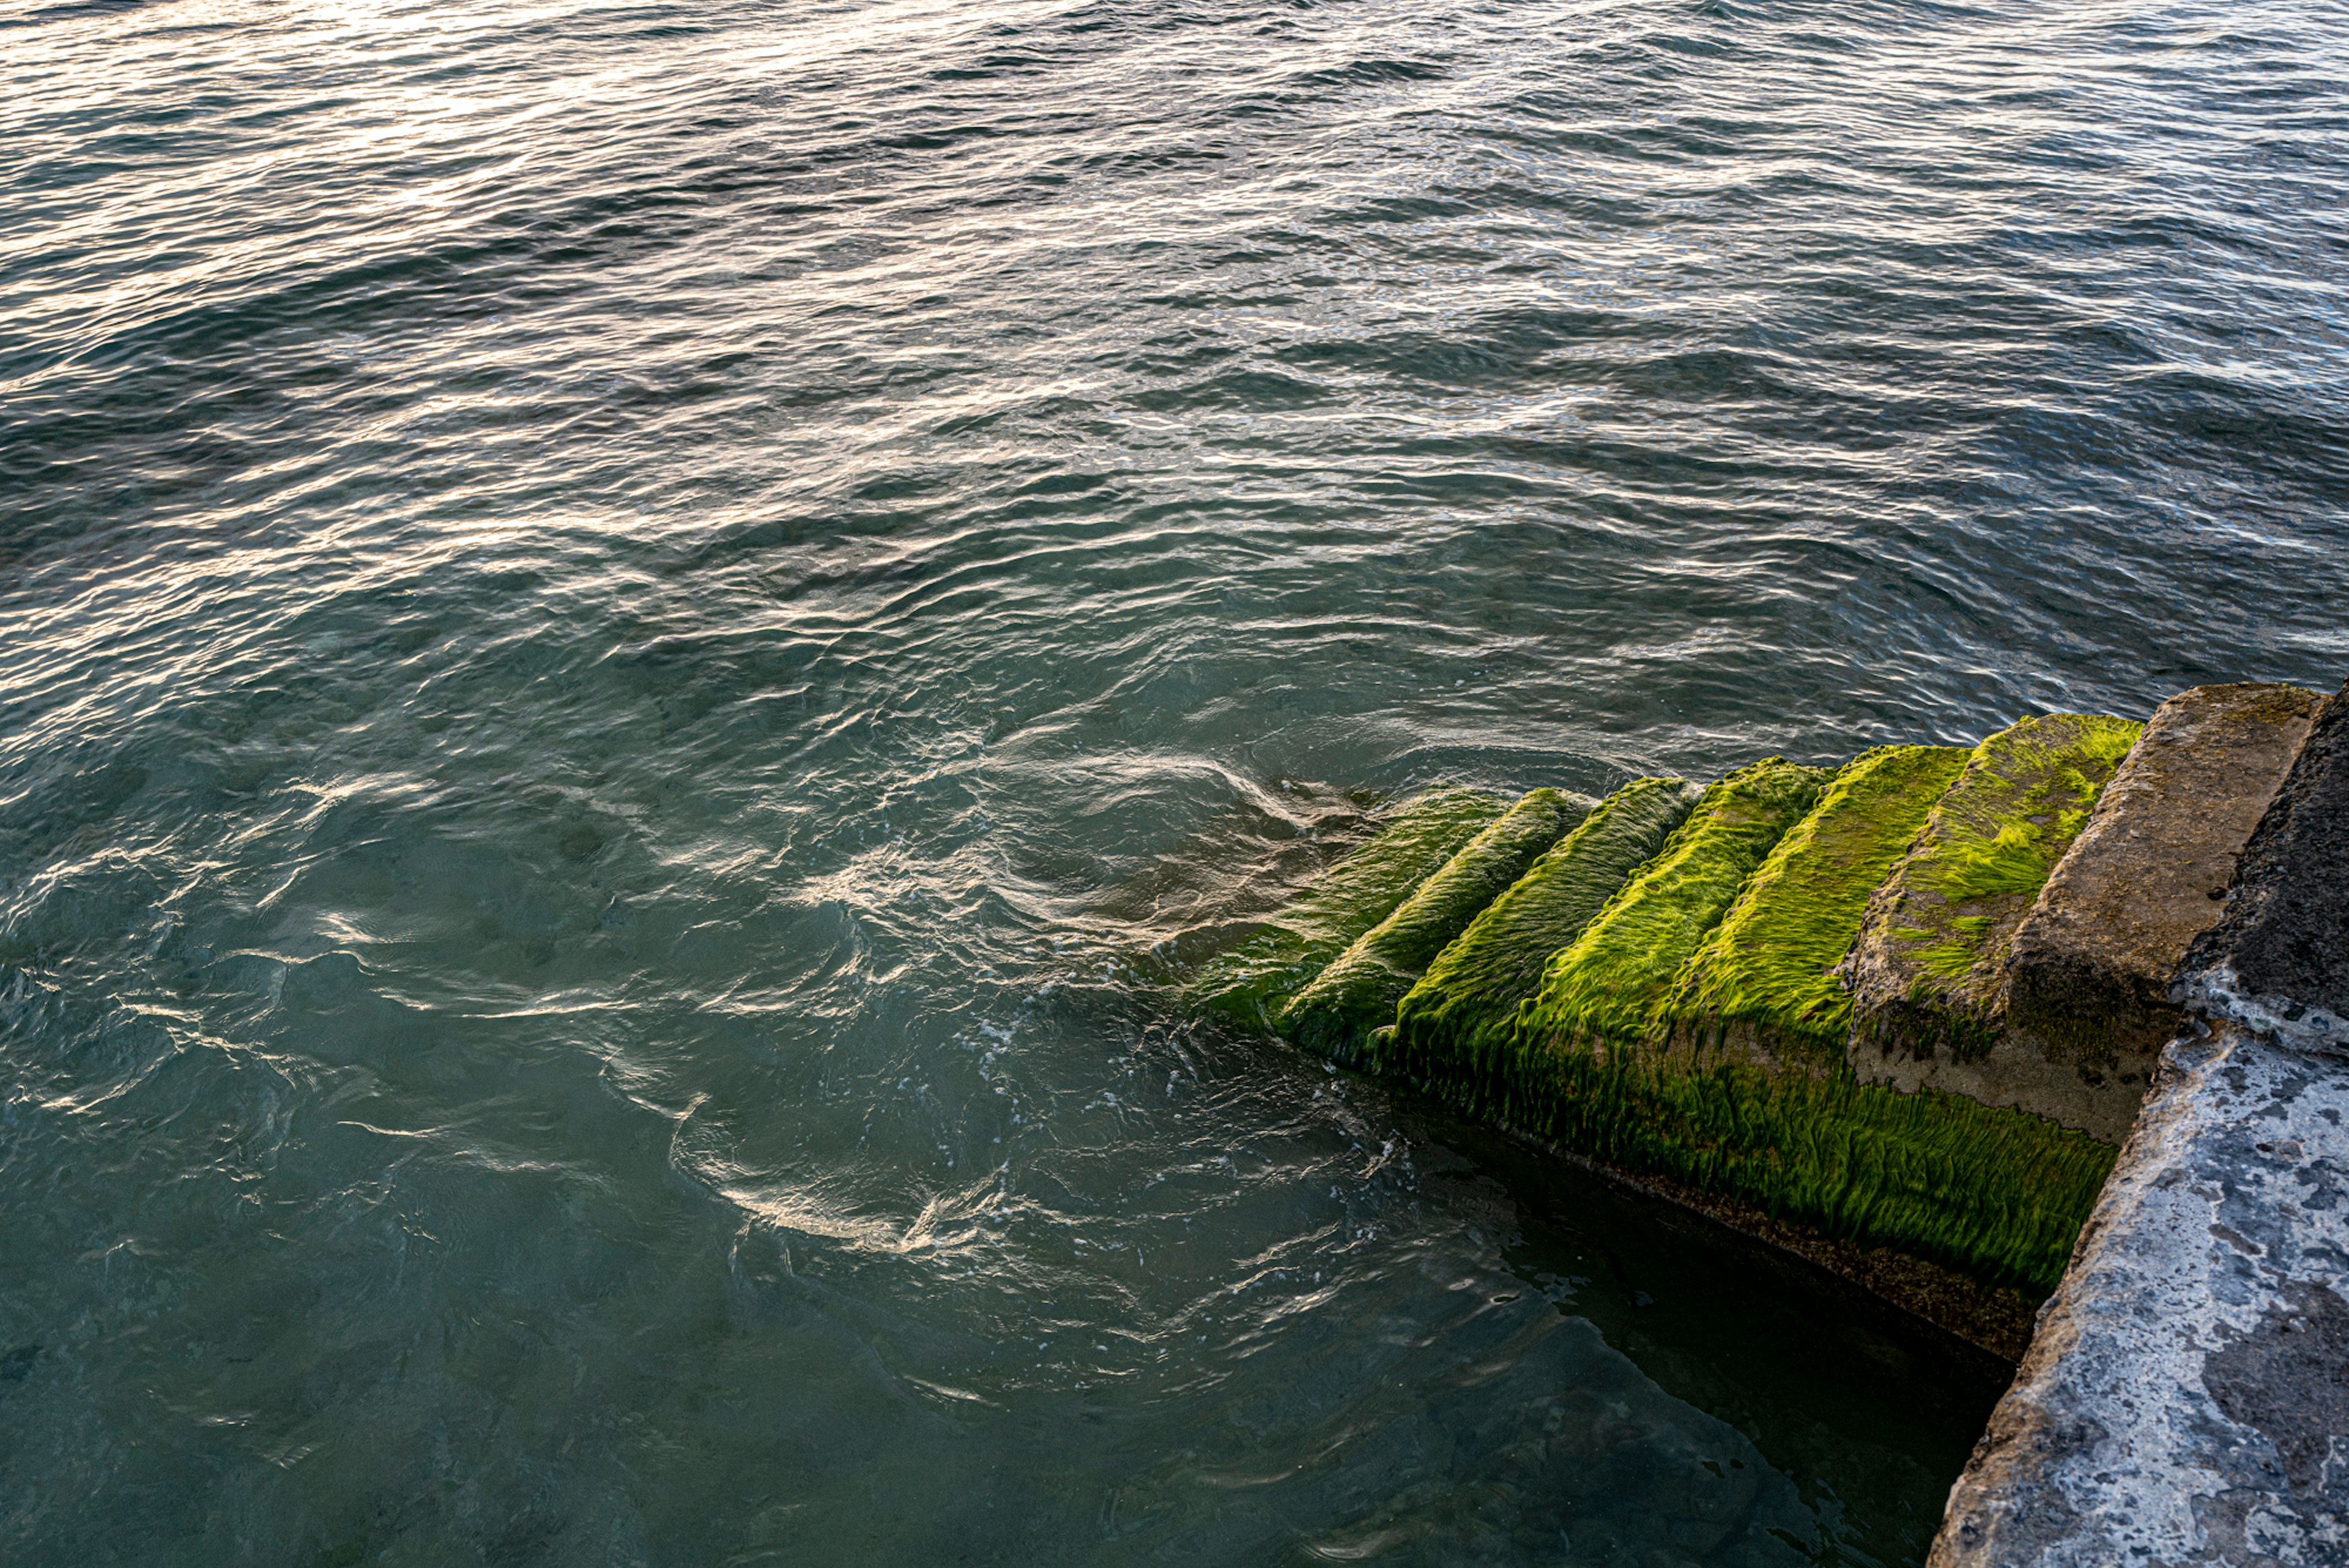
2278	960
2186	1397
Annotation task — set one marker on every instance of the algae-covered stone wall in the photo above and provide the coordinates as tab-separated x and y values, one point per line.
1792	993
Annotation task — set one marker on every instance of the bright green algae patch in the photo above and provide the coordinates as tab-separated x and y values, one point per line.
1357	993
1939	932
1254	979
1609	983
1769	966
1454	1027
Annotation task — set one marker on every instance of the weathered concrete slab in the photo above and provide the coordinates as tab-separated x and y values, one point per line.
1928	972
2278	960
2093	961
2186	1397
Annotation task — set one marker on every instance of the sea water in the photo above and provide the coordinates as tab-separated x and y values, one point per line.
634	636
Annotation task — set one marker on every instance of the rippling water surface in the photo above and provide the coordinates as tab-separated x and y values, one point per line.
623	623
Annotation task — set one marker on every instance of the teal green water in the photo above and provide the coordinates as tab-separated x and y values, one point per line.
624	624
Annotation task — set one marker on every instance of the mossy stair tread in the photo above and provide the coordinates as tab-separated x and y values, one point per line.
1768	967
1452	1027
1936	934
1358	992
1254	979
1610	983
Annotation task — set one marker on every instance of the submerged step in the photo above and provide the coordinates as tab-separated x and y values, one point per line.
1454	1029
1928	974
1358	992
1255	979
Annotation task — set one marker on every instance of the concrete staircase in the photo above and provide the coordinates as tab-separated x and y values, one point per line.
2065	1012
2186	1397
1899	1016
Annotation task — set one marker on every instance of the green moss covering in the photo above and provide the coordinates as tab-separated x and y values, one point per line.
1255	979
1453	1027
1609	1068
1594	1002
1770	964
1998	1195
1357	993
1610	982
1936	937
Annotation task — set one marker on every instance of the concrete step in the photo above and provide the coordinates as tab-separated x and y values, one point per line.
1928	974
2089	970
2278	958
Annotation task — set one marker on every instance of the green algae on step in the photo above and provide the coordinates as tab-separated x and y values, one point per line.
1995	1194
1766	972
1606	986
1931	952
1454	1029
1255	979
1357	992
1927	974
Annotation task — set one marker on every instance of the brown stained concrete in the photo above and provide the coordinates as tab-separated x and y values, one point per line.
2278	960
